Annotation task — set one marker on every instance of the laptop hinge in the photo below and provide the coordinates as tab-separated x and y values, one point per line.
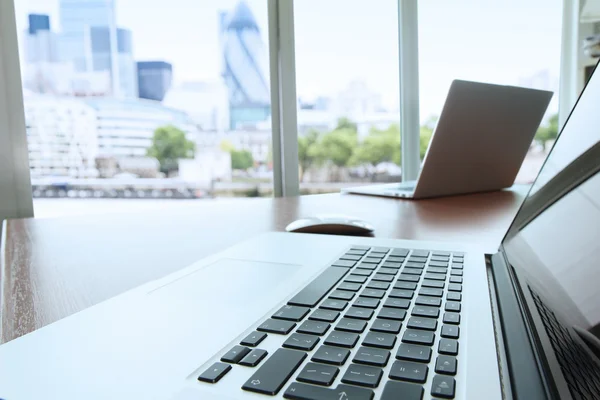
525	381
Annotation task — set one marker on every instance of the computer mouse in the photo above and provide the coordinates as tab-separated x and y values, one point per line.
331	225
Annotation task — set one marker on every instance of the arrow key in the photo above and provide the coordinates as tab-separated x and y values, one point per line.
235	354
253	358
443	386
302	391
215	372
446	365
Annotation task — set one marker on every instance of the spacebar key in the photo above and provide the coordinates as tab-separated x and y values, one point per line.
275	372
300	391
319	287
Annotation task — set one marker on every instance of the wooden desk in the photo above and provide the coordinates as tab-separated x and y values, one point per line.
52	268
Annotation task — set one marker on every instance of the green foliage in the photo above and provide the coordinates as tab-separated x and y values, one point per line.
548	132
241	159
169	144
337	146
346	124
306	151
227	146
379	146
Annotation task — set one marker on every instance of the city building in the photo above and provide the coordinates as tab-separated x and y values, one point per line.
38	22
40	51
120	63
154	79
244	67
61	136
205	102
125	127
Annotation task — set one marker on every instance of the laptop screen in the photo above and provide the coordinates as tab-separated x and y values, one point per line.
554	241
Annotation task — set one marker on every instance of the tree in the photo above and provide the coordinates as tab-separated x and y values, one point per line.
337	147
548	132
379	146
169	144
241	159
306	151
346	123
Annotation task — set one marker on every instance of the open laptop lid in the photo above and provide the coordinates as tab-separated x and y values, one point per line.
554	242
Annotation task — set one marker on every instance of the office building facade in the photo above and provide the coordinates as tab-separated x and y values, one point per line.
38	22
154	79
244	67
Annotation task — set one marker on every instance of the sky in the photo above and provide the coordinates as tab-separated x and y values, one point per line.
496	41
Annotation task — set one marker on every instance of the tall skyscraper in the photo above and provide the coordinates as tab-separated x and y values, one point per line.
154	79
40	42
38	22
120	63
244	66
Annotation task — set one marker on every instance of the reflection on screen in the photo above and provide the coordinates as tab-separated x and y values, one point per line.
555	245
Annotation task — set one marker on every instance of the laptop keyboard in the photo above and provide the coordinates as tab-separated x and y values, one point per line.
376	318
579	369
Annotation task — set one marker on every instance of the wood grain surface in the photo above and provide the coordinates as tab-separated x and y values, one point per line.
52	268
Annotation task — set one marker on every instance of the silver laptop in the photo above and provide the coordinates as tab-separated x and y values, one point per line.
302	316
479	143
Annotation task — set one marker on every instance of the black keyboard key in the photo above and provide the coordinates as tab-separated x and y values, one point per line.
357	252
253	339
367	266
448	346
331	355
342	339
405	285
383	278
397	303
387	271
443	386
452	306
420	253
378	285
399	252
428	301
418	264
454	296
371	356
409	278
412	271
445	365
253	358
359	313
435	277
275	372
450	331
457	266
413	352
392	314
409	371
392	264
433	284
352	287
351	257
428	324
437	270
278	326
235	354
359	247
386	326
455	287
324	315
342	295
313	328
318	374
374	293
351	325
291	313
456	272
451	318
438	253
333	304
314	292
383	250
425	291
362	272
301	391
395	258
371	260
435	263
344	263
417	336
380	340
425	311
401	390
215	372
355	279
301	341
366	302
456	279
362	375
402	294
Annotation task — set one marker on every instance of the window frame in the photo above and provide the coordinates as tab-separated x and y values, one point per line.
16	199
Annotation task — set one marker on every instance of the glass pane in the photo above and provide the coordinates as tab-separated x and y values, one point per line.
348	97
514	42
129	99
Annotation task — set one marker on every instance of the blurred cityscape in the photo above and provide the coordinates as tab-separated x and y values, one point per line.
102	124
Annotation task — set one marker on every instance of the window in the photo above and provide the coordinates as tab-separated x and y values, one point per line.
118	110
348	93
515	42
